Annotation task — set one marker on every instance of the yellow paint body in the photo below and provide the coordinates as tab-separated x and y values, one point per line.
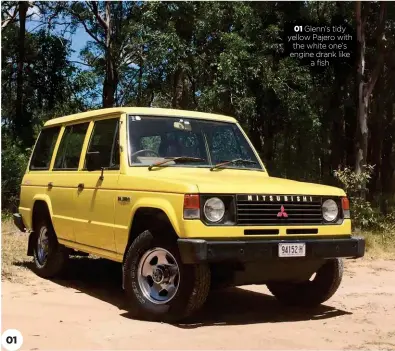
94	221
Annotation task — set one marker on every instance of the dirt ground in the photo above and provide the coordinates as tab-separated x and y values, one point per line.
84	310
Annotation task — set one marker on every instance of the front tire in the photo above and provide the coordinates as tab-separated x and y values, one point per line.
313	292
158	286
50	258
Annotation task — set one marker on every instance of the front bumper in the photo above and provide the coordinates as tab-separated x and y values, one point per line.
18	221
199	250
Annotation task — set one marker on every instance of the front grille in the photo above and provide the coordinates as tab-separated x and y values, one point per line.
278	210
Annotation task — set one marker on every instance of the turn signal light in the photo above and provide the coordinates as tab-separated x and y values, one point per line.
346	207
191	206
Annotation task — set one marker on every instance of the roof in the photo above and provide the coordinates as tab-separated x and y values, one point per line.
164	112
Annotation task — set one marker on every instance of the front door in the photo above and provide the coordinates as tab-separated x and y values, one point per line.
95	193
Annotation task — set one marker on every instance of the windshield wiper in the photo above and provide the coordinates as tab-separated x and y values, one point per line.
236	160
176	159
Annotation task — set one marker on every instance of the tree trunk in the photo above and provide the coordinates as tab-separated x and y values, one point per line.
22	123
387	169
140	79
376	128
365	89
337	137
178	85
111	78
349	130
362	127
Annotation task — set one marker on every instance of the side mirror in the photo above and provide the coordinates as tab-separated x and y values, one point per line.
93	161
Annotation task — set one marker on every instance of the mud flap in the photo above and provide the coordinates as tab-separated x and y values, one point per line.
30	244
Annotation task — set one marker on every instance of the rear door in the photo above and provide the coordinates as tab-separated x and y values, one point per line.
38	178
95	199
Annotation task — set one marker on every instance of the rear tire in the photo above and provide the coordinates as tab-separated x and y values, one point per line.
312	292
143	270
50	258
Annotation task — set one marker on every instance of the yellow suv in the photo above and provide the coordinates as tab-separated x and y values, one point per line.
184	202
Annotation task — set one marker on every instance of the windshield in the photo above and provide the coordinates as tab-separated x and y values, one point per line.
155	139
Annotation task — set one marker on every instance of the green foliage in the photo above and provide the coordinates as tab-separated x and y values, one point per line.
354	184
51	88
224	57
364	216
13	166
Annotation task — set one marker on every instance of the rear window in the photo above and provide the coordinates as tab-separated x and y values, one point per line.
69	152
43	150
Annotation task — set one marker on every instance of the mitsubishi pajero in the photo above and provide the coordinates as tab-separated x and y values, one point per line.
184	202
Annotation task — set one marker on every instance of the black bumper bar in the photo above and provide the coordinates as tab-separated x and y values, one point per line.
200	250
18	221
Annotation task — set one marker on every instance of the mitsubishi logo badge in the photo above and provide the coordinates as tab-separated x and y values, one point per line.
282	213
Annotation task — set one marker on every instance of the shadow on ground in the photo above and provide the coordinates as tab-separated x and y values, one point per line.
102	279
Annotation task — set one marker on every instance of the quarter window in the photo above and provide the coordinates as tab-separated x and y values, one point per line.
42	154
68	156
105	139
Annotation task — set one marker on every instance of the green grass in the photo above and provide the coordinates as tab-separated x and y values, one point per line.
379	245
6	216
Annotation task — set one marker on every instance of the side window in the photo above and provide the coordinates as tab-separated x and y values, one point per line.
151	142
42	154
105	139
70	147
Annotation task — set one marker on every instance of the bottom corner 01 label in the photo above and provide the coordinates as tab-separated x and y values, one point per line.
11	340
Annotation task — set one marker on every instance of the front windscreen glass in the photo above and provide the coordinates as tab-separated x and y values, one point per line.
207	143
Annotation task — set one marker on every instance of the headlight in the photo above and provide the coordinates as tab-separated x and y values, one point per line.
214	209
330	210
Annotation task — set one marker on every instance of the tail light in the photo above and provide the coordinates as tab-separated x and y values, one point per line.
346	207
191	206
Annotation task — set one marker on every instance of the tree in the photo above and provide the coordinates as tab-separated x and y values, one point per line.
113	30
224	57
365	81
22	122
9	12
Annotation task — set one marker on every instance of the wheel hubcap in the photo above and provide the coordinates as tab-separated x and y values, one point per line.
42	246
158	275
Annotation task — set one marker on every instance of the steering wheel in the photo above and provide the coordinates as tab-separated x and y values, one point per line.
134	154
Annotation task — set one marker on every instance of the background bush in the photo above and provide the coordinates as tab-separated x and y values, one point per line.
14	161
363	214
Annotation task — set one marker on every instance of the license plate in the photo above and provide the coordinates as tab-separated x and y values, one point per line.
292	250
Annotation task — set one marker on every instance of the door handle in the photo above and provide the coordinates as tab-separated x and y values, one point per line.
80	187
50	185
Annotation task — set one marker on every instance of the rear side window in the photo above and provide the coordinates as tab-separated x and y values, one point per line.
105	139
69	152
42	154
